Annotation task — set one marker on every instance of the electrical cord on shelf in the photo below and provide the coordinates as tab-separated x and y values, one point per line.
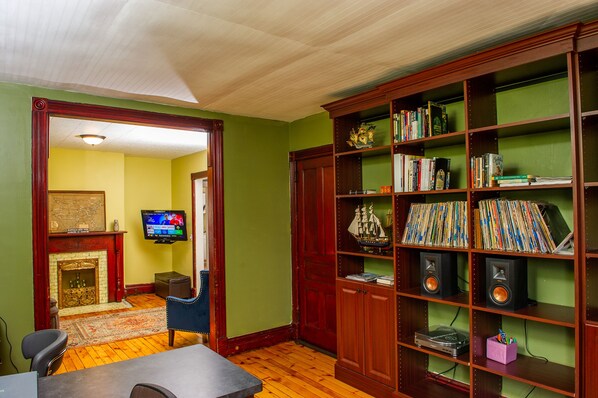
9	345
526	346
453	368
456	315
530	391
463	279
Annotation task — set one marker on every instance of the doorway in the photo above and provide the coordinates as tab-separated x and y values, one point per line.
42	109
314	265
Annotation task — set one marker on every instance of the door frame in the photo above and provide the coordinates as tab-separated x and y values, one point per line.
200	175
294	157
42	109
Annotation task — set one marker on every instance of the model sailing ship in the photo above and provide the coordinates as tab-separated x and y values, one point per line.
368	230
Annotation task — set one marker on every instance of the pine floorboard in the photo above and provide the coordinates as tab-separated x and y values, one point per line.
287	370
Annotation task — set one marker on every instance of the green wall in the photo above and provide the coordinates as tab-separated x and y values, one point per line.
257	230
310	132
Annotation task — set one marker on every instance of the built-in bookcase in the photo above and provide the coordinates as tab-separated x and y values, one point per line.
535	102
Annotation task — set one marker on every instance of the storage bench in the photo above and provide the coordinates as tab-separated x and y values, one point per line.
172	284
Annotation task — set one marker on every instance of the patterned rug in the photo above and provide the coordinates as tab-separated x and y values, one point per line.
113	327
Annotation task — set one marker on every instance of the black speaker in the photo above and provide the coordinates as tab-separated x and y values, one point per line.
438	274
506	283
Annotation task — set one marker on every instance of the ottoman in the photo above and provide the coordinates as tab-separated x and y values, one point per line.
172	284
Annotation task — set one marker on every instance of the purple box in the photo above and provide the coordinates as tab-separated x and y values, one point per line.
503	353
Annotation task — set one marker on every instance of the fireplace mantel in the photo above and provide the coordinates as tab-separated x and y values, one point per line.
112	242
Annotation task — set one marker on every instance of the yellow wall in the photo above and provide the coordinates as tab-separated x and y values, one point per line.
182	168
76	170
147	187
132	184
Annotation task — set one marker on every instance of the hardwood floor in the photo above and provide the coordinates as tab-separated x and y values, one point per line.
287	370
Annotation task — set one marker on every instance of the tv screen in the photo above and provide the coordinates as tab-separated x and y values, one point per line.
164	226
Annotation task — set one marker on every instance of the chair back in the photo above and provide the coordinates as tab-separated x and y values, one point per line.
45	348
148	390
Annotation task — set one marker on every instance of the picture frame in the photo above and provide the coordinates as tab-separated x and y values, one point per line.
76	211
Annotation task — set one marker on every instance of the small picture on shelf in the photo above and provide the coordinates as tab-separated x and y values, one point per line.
363	137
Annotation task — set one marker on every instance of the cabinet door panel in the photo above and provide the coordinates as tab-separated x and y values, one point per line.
350	325
379	332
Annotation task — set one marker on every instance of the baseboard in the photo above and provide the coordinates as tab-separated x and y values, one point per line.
363	383
140	288
265	338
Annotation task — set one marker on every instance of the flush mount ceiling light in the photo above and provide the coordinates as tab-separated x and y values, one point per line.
92	139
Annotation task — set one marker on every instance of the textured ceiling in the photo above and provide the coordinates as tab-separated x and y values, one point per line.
277	59
130	139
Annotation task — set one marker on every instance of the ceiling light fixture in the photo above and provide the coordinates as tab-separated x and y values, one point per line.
92	139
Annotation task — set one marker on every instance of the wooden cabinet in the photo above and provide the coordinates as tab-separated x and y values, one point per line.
365	328
535	102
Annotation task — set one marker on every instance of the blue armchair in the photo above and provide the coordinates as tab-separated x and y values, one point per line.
189	315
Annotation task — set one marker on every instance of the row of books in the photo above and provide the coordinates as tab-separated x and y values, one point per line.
484	168
426	121
520	226
416	173
441	224
387	280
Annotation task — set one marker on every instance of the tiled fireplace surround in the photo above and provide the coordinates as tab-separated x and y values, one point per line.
102	265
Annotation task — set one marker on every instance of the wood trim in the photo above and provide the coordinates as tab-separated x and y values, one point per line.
294	157
357	102
139	288
42	109
265	338
195	176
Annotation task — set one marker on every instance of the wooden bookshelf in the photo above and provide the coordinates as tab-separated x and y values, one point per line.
535	102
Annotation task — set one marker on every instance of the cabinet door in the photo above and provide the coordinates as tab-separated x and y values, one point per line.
379	334
349	325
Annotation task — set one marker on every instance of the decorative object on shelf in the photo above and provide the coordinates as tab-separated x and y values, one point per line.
362	191
116	227
363	137
368	230
501	349
386	189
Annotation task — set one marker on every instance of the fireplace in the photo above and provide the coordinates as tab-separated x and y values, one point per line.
78	282
92	259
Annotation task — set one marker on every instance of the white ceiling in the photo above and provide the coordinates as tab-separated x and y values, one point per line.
277	59
130	139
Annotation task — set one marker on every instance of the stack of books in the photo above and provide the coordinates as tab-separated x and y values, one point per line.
416	173
427	121
484	168
388	280
513	180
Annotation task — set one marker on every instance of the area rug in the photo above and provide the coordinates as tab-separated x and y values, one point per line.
101	329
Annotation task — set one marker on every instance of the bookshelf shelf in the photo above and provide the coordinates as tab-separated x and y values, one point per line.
554	256
432	142
388	256
434	192
535	103
524	188
409	343
550	376
367	152
542	312
364	196
459	300
526	127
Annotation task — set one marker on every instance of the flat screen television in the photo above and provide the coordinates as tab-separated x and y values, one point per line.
164	226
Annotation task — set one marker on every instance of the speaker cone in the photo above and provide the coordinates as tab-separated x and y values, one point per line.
500	294
431	284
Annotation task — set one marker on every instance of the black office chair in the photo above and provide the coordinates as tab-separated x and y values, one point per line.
45	348
147	390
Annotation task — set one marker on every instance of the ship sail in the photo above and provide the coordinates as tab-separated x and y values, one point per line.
367	229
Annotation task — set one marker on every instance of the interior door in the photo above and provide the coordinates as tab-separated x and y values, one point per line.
315	252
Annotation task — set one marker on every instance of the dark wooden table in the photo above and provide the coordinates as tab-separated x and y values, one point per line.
194	371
